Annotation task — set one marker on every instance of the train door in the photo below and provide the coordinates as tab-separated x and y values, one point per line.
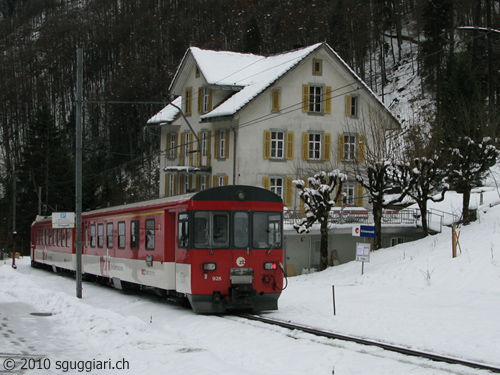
109	244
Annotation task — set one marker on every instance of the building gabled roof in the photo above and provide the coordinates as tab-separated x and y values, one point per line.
249	75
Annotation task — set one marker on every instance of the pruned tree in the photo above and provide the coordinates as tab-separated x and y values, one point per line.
468	163
378	181
318	202
422	180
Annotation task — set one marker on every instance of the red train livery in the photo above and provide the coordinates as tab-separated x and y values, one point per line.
221	248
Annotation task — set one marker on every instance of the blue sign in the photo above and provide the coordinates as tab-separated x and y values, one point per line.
367	231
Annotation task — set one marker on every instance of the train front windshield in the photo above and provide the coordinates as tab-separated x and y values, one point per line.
222	229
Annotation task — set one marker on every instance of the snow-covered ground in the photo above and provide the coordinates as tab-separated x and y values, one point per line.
414	294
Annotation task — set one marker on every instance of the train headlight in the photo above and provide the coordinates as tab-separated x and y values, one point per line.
209	266
270	266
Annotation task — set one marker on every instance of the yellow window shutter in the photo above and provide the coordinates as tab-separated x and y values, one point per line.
198	154
267	144
359	195
341	147
189	95
305	146
327	141
190	181
361	148
328	99
198	182
200	99
276	100
191	149
175	184
166	185
226	145
288	192
214	181
266	183
348	105
289	145
216	144
210	94
305	98
209	148
226	180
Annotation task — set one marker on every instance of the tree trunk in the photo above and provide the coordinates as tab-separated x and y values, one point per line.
377	218
423	212
467	214
323	261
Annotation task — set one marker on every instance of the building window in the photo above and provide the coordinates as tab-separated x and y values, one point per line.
172	145
350	142
206	99
171	184
351	105
222	144
277	144
203	182
317	67
185	183
314	146
276	186
221	179
349	194
204	143
315	99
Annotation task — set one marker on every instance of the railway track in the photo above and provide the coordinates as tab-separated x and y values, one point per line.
388	347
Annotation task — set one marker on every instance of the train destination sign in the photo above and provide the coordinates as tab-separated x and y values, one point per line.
63	220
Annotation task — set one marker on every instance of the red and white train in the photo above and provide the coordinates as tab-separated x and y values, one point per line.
221	248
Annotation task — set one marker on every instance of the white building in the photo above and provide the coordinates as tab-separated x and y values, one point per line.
256	120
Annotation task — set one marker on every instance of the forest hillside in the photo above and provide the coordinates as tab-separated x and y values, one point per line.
435	63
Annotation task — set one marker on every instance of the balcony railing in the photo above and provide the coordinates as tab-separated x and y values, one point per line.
359	215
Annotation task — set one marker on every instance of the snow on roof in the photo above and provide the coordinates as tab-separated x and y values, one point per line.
167	114
254	73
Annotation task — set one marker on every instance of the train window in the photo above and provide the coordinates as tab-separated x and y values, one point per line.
150	234
241	229
201	220
109	235
63	237
211	229
266	230
220	234
92	235
68	238
100	235
134	234
183	230
121	235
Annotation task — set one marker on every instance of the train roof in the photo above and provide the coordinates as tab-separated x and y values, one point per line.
220	193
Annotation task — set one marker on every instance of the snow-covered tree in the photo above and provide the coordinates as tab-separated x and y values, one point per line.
323	190
468	163
422	180
378	181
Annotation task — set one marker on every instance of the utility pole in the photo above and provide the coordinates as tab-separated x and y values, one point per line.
14	221
78	171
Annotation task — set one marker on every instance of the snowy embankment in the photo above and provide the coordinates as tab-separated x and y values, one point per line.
414	294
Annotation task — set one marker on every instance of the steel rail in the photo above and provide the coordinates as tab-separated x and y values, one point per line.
388	347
